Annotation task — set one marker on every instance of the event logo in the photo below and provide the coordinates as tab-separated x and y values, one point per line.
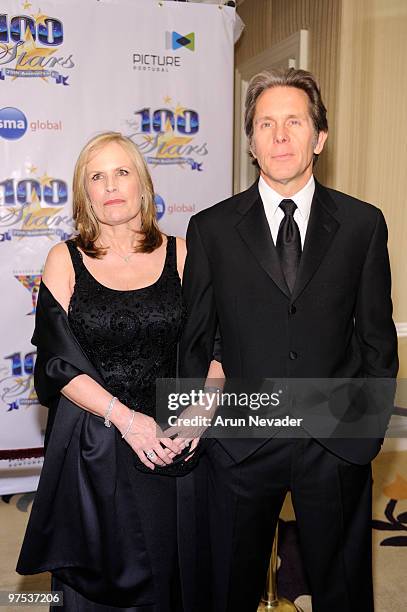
167	136
154	62
33	207
13	123
28	44
47	125
164	62
32	283
173	40
16	381
160	206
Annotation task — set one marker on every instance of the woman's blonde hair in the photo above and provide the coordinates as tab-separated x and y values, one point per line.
86	223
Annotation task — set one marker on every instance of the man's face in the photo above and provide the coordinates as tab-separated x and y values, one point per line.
284	139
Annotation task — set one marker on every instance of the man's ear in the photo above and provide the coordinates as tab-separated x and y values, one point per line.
320	142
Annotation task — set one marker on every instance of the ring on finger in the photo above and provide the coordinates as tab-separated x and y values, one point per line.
150	454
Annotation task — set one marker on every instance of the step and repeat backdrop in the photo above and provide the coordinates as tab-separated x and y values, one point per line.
160	73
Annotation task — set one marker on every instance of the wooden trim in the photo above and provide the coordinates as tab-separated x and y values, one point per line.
21	453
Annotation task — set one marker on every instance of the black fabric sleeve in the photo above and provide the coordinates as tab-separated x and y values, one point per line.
198	338
217	346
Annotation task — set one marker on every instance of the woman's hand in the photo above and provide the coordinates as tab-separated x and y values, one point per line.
147	440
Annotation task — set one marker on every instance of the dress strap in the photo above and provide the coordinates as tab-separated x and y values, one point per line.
171	256
76	256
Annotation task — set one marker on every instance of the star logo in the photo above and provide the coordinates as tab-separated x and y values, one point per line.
31	169
31	57
179	111
168	143
34	216
40	18
45	180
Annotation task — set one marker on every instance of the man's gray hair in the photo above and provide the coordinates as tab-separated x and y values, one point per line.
301	79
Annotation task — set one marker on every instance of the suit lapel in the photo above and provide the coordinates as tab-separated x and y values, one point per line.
322	227
255	232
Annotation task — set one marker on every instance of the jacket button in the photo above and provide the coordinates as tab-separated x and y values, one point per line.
292	309
293	355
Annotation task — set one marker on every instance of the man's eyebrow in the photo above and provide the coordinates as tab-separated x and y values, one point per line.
264	117
291	116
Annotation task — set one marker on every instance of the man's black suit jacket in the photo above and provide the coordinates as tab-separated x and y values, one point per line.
336	324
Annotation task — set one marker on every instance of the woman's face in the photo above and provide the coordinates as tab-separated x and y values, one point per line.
113	185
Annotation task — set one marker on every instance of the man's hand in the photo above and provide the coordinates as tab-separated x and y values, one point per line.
191	424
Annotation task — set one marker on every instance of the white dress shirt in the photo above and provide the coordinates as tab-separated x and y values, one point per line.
271	200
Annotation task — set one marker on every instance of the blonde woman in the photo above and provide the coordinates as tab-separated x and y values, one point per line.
109	317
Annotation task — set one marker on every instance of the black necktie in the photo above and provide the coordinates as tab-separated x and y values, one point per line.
289	243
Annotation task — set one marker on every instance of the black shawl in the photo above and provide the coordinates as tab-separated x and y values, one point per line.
85	503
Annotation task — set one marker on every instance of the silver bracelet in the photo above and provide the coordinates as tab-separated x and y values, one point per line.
107	422
133	414
212	389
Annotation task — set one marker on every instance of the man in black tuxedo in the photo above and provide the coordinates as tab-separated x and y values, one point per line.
296	276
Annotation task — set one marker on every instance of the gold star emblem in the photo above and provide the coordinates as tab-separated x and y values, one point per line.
34	216
27	5
40	18
31	169
168	144
32	394
179	111
168	127
31	55
167	99
45	180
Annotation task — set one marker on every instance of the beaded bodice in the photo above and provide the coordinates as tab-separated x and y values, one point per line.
129	336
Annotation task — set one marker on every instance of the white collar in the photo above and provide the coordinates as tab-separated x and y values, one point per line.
303	198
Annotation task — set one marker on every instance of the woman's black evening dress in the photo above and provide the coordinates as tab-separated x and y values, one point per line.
105	529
